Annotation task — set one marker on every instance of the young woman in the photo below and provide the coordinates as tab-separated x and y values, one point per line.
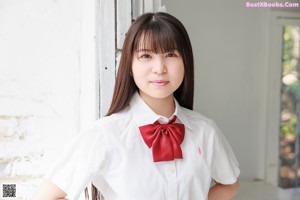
151	145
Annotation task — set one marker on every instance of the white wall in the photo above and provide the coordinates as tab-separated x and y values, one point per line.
230	44
39	85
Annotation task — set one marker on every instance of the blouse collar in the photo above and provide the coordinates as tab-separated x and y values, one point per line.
144	115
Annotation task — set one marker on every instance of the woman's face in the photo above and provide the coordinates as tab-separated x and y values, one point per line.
157	75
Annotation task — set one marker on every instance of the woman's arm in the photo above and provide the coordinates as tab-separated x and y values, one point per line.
223	192
49	191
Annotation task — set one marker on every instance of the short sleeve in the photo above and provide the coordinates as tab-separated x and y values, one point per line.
78	163
225	167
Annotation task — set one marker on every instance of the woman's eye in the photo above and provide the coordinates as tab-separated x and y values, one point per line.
171	54
144	56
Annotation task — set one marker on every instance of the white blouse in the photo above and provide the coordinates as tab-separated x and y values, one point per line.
114	157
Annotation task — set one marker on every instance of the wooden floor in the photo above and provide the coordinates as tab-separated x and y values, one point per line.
258	190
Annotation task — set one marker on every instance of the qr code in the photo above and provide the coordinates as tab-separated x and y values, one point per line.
9	190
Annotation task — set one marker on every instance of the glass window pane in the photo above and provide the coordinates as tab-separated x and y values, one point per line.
290	107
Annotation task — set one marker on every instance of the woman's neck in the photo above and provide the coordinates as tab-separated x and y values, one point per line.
164	107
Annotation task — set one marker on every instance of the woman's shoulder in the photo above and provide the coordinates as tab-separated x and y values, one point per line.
196	118
106	127
116	120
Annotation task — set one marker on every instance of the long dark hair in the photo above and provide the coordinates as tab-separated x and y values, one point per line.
161	32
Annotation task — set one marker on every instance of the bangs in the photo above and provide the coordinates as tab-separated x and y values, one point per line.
157	37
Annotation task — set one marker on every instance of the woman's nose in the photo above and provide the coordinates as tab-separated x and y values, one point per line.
159	66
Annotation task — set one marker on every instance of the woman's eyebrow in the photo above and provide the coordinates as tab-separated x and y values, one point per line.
170	50
144	50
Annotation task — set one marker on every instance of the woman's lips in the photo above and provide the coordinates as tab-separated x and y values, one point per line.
159	82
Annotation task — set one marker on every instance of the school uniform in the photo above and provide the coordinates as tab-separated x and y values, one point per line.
115	158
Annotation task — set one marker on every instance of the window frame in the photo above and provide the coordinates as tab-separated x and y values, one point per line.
272	161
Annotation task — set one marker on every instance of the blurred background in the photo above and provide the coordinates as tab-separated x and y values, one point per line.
58	60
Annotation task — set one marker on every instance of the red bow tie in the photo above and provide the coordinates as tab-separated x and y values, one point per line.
165	139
